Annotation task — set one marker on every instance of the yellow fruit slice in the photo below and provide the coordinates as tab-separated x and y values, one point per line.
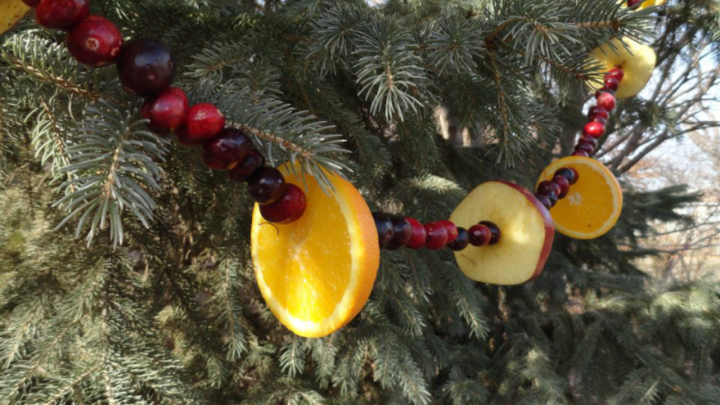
637	62
316	273
646	4
11	11
594	203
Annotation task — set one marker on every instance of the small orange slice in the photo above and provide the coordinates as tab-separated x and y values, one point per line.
594	203
316	273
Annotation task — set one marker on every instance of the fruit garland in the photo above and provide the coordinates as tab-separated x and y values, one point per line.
292	262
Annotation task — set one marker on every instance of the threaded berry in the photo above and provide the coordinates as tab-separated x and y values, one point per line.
287	209
245	169
146	67
553	198
479	235
385	230
546	187
587	147
612	83
204	122
94	41
419	235
598	112
266	185
227	150
31	3
544	201
569	173
598	119
606	101
616	73
461	242
588	139
564	185
167	112
580	153
402	232
451	229
594	129
604	89
494	232
437	236
61	13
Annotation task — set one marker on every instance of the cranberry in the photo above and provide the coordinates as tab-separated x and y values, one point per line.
61	13
594	129
616	73
598	119
581	153
588	139
452	230
606	101
437	236
546	187
569	173
266	185
31	3
203	124
553	199
461	242
479	235
494	231
598	112
94	41
612	83
544	201
587	147
245	169
385	230
419	235
402	232
167	112
604	89
227	150
146	67
564	185
287	209
631	3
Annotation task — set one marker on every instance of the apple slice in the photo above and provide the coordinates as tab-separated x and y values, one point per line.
527	234
636	60
11	11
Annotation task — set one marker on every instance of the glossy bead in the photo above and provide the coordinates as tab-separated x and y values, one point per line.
569	173
437	236
461	242
598	112
31	3
581	153
587	147
494	231
245	169
594	129
479	235
167	112
606	101
452	230
385	230
612	83
544	201
546	187
616	73
589	139
288	209
227	150
146	67
204	122
564	185
61	13
419	235
402	232
266	185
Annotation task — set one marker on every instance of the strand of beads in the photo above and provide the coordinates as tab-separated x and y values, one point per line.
599	114
146	68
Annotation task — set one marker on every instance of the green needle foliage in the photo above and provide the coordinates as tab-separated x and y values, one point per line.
125	272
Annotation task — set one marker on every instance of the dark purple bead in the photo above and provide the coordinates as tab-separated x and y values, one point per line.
494	231
245	169
146	67
547	187
266	185
385	229
461	242
544	201
402	232
227	150
570	174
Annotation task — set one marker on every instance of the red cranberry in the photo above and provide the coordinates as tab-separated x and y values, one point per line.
587	147
588	139
402	232
581	153
266	185
564	186
631	3
385	230
437	236
598	119
612	83
146	67
203	124
598	112
606	101
544	201
227	150
569	173
480	235
547	187
494	231
94	41
604	89
61	13
245	169
616	73
594	129
419	235
287	209
461	242
167	112
31	3
451	229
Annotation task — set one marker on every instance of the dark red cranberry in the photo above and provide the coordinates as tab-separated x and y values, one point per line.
598	119
452	230
569	173
204	122
146	67
546	187
494	231
604	89
61	13
479	235
587	147
245	169
419	235
581	153
227	150
616	73
385	230
287	209
631	3
588	139
31	3
544	201
594	129
167	112
266	185
606	101
564	186
598	112
461	242
94	41
437	236
612	83
402	232
553	198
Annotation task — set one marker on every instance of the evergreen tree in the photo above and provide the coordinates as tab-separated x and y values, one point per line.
125	273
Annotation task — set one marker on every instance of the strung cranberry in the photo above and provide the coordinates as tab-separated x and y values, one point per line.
461	242
61	13
587	147
494	232
544	201
437	236
616	73
266	185
419	235
385	230
479	235
631	3
569	173
603	90
598	119
31	3
204	122
402	232
588	139
287	209
594	129
146	67
598	112
564	186
553	199
245	169
167	112
452	230
94	41
227	150
546	187
581	153
612	83
606	101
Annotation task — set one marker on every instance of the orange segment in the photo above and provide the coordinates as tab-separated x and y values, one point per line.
316	273
594	203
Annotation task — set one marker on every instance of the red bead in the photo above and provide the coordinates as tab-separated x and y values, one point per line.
203	124
167	112
494	232
461	242
594	129
31	3
580	153
419	235
612	83
384	227
287	209
616	73
598	112
61	13
402	232
146	67
227	150
588	139
586	147
480	235
245	169
606	101
437	236
564	185
452	230
94	41
267	185
544	201
569	173
546	187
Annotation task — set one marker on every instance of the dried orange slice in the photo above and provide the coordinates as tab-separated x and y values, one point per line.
316	273
594	203
11	11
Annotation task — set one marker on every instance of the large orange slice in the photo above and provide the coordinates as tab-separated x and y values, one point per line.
316	273
594	203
